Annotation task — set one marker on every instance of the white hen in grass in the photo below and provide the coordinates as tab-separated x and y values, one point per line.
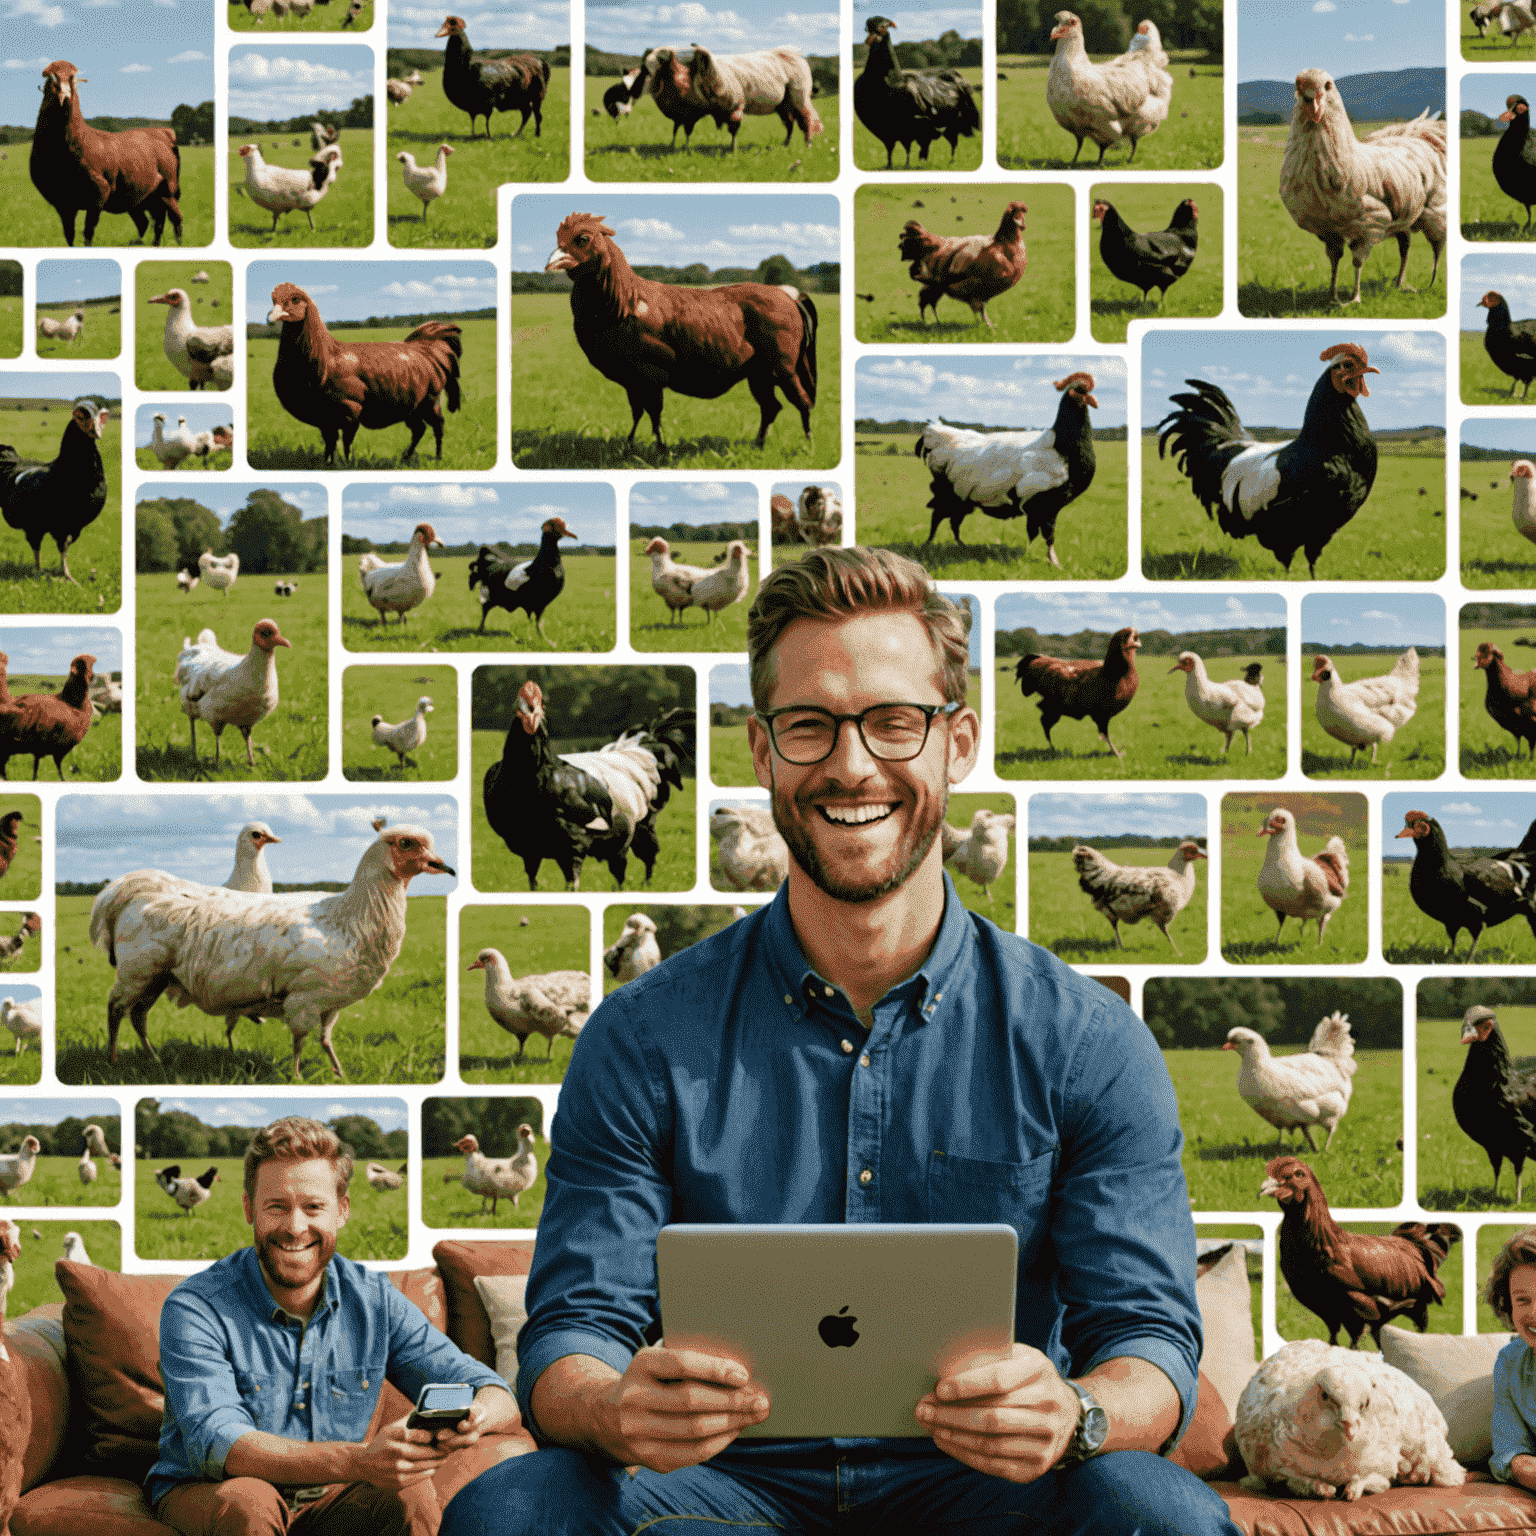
409	736
1294	1093
428	182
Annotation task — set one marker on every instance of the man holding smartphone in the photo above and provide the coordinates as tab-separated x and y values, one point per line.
273	1360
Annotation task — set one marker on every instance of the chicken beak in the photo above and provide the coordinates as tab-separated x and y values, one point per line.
437	867
1506	117
475	965
1469	1032
1313	107
1058	32
161	298
1406	832
559	261
276	313
1270	1187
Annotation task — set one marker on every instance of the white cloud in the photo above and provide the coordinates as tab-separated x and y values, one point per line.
36	12
38	64
448	495
414	289
1369	37
260	69
190	56
650	229
1323	7
136	69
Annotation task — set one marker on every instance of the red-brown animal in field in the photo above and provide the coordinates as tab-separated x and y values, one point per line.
971	268
1510	698
1097	689
49	724
370	384
649	337
8	824
78	168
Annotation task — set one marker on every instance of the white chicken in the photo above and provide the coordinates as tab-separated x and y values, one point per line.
753	856
399	588
221	688
1368	713
1299	887
23	1020
409	736
635	951
187	1193
220	572
725	584
186	581
499	1178
75	1251
16	1167
280	190
397	91
1147	39
551	1004
670	581
13	944
87	1166
982	853
1127	893
1228	707
1522	474
381	1178
1332	1424
194	350
171	448
1124	98
1294	1093
428	182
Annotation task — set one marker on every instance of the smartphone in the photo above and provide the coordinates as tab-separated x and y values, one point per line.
441	1405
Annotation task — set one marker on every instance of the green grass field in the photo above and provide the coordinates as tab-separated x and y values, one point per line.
534	940
650	620
324	17
639	148
32	222
276	440
394	1035
465	215
1282	272
566	415
582	618
1486	212
12	309
375	1229
446	1203
1113	304
1493	555
212	304
100	337
730	758
1040	307
95	558
1028	135
1062	918
56	1181
21	1069
892	486
869	153
30	960
1226	1144
343	217
1417	751
1493	49
1398	535
220	459
98	759
1412	937
1487	750
1159	734
291	742
43	1244
1248	925
1483	382
23	878
392	692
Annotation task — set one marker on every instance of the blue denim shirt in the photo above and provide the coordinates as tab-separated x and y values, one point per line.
734	1084
1514	1407
234	1361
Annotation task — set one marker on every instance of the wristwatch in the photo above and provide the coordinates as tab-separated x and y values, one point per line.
1092	1429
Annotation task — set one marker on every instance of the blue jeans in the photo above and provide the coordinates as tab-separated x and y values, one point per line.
557	1492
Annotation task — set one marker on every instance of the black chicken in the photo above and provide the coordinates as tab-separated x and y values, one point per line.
1510	343
1494	1101
532	585
1514	156
479	87
1475	893
907	106
1286	495
1155	260
61	499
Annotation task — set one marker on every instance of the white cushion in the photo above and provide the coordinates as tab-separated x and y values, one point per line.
1457	1371
502	1298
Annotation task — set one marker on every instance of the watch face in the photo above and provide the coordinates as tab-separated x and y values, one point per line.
1095	1428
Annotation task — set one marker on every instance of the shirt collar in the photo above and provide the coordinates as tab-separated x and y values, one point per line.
262	1301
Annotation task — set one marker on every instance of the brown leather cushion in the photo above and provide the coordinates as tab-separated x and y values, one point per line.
112	1335
1484	1507
86	1506
425	1288
459	1263
36	1343
1209	1446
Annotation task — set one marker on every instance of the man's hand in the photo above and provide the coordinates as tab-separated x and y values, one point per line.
1012	1419
492	1409
397	1457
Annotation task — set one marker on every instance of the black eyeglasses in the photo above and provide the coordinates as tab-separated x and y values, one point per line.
804	733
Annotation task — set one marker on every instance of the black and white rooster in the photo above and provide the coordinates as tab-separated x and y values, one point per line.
187	1193
532	585
1288	496
1013	474
60	499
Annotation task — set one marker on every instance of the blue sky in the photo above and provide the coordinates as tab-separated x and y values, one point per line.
1513	277
387	1114
353	290
61	281
50	651
222	496
45	1111
488	24
1013	392
193	836
661	229
1481	819
693	502
1064	613
286	79
1277	39
58	386
1269	375
200	418
480	513
1391	620
139	59
1516	433
1486	93
1089	816
918	26
737	28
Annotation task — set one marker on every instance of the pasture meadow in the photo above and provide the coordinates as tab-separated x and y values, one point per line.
1494	48
869	153
29	958
1113	304
212	304
56	1181
1063	920
330	19
1487	212
446	1203
393	692
651	623
343	217
23	877
42	1245
1487	750
1483	382
12	312
730	757
1416	751
100	337
1493	554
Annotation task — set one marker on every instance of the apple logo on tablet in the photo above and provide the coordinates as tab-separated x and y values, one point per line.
837	1330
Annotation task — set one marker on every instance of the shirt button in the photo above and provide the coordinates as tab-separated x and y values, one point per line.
864	1060
789	999
847	1047
865	1177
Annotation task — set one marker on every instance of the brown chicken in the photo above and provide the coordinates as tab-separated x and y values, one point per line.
1510	698
971	268
1352	1280
49	724
8	824
369	384
1097	689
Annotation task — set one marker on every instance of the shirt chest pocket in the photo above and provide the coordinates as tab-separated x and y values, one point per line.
970	1189
265	1398
348	1395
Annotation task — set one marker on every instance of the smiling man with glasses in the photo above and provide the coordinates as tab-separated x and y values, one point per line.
863	1049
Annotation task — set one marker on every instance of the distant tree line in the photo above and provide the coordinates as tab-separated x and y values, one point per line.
1449	997
694	533
268	533
1154	642
175	1133
1497	615
358	115
400	61
949	51
64	1139
1024	26
729	714
10	279
194	125
1471	454
822	277
1193	1011
1363	648
351	545
585	703
1115	840
492	1122
260	328
1478	125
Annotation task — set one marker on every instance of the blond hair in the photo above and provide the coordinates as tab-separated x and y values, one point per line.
1520	1249
297	1139
836	583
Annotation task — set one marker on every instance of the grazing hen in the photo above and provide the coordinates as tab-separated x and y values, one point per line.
517	83
1494	1101
1510	344
428	182
980	854
1368	713
1155	260
1127	893
911	106
1288	496
635	951
385	1179
279	189
971	268
1294	1093
221	688
1510	696
499	1178
1099	690
718	589
24	1020
1294	886
407	737
1471	893
671	580
188	1193
504	581
399	587
375	384
1228	707
1352	1280
48	724
1514	156
62	499
552	1004
1124	98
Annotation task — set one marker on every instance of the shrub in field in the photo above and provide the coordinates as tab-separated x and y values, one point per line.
343	217
1417	749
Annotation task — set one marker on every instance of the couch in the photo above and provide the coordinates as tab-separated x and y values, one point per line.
91	1368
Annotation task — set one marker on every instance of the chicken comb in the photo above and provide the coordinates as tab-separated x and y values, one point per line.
592	222
1073	378
1343	349
1416	816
